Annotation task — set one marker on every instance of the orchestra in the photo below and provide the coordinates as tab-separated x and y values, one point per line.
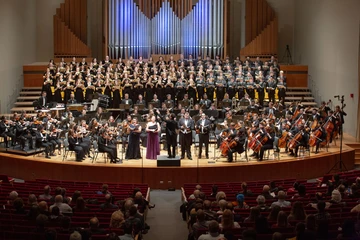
239	103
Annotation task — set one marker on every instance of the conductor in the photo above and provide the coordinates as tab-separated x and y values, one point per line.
171	133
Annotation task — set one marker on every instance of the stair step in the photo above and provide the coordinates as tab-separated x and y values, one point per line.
354	145
31	88
23	104
28	98
20	109
305	103
298	89
298	93
357	161
33	93
300	98
10	115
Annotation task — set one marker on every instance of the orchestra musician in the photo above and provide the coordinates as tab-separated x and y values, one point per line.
186	125
42	141
6	132
301	130
205	102
72	99
107	145
169	103
74	146
43	102
127	100
239	140
203	128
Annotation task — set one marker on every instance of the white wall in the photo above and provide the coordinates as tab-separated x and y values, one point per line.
17	47
327	40
285	10
45	11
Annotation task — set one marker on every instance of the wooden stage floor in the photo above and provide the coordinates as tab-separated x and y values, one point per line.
196	170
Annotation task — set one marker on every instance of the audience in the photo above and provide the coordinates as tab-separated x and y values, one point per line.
227	220
94	228
266	192
281	220
108	204
46	195
117	219
274	213
75	236
297	212
19	206
80	205
322	214
254	214
32	200
261	204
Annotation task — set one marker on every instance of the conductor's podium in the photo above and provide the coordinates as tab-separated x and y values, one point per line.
164	161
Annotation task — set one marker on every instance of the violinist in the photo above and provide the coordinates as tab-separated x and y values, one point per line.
239	141
270	111
205	102
6	132
42	141
74	146
304	139
54	139
203	128
269	133
252	108
106	145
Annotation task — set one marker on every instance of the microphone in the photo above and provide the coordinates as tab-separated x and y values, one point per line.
337	96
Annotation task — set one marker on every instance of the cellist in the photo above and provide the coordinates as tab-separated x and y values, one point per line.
320	138
302	142
239	140
269	144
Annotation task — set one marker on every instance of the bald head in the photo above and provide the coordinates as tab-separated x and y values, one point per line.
94	222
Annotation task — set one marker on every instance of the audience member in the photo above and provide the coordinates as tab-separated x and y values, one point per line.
240	204
55	215
64	207
41	223
214	232
222	206
117	219
65	225
281	221
301	194
297	212
200	223
75	236
46	195
277	236
261	204
245	190
75	196
227	220
281	200
108	204
12	196
32	200
274	213
347	230
220	196
266	192
322	214
209	214
128	232
19	206
80	205
135	220
262	225
43	208
94	227
254	214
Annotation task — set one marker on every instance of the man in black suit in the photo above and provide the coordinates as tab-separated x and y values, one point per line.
240	138
171	133
270	110
41	141
141	100
186	125
42	102
203	125
72	99
127	100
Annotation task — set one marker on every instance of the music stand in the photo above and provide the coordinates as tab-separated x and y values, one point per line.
154	104
193	112
140	106
124	106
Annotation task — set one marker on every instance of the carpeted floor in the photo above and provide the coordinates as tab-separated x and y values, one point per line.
165	219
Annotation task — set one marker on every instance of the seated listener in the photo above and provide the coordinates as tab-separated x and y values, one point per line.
281	202
63	207
108	204
214	232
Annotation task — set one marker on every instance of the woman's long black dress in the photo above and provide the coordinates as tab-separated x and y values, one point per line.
79	95
133	150
116	98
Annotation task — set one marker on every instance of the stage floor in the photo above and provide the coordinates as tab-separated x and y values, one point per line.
195	162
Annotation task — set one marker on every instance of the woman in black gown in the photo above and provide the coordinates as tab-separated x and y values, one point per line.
57	93
116	94
68	88
149	91
79	91
107	90
159	90
89	90
133	150
191	91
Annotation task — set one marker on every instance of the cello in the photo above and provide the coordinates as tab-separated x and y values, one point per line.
258	141
295	140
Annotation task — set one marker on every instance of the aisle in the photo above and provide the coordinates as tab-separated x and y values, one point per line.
165	219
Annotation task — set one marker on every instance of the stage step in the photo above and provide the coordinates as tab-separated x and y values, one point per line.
313	104
32	88
304	89
18	104
298	93
20	109
28	98
298	98
32	93
356	147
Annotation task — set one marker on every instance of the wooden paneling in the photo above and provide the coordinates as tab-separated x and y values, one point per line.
297	75
83	21
294	68
306	168
33	80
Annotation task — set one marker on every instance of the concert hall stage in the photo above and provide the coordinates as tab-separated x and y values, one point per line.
196	170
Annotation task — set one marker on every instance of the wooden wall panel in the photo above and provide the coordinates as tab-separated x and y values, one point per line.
83	21
306	168
248	21
67	13
77	18
254	18
72	15
33	80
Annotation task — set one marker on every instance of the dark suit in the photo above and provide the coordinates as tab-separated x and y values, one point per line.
74	146
5	132
171	135
204	127
107	147
42	142
127	101
186	136
42	102
72	101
